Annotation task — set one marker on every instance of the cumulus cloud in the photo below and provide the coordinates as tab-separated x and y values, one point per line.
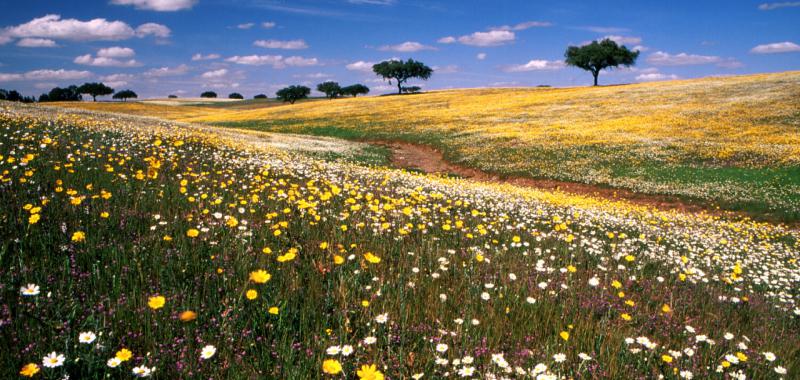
53	27
481	56
158	5
167	71
661	58
490	38
535	65
276	61
446	40
785	4
46	74
109	57
623	40
153	29
207	57
116	52
777	47
360	66
523	25
246	25
36	42
406	47
117	80
649	77
268	25
278	44
215	74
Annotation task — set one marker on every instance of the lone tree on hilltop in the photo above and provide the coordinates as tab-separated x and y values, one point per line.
597	56
95	89
208	94
292	94
235	95
125	95
401	72
355	89
260	96
330	89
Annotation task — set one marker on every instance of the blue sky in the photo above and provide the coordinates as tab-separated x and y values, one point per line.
184	47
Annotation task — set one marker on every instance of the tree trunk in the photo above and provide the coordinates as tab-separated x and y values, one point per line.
595	74
94	98
399	88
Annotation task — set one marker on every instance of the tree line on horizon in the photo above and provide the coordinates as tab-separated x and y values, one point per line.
593	57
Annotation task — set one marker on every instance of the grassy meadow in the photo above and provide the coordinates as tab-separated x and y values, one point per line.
732	142
132	246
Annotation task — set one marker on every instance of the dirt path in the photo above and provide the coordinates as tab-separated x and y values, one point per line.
430	160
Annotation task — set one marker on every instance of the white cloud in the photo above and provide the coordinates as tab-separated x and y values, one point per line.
59	74
360	66
604	29
406	47
649	77
215	74
268	25
777	47
278	44
200	57
446	40
490	38
785	4
623	40
524	25
167	71
158	5
535	65
154	29
313	76
53	27
449	69
372	2
661	58
36	42
104	61
117	80
276	61
109	57
247	25
5	39
116	52
481	56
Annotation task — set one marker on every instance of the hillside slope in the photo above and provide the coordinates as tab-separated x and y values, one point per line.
733	141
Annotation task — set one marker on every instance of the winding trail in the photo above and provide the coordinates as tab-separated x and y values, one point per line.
429	160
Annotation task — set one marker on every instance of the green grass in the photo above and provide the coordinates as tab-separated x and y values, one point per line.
103	284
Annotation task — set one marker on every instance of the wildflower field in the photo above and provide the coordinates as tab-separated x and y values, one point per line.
733	142
138	247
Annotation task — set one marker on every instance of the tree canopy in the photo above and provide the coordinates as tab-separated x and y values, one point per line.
260	96
401	72
292	94
95	89
235	95
597	56
58	94
125	95
208	94
330	89
355	90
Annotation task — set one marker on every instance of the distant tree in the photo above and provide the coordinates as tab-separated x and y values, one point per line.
260	96
401	72
95	89
28	99
208	94
292	94
597	56
13	96
172	96
235	95
44	98
66	94
125	95
3	94
354	90
411	90
330	89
